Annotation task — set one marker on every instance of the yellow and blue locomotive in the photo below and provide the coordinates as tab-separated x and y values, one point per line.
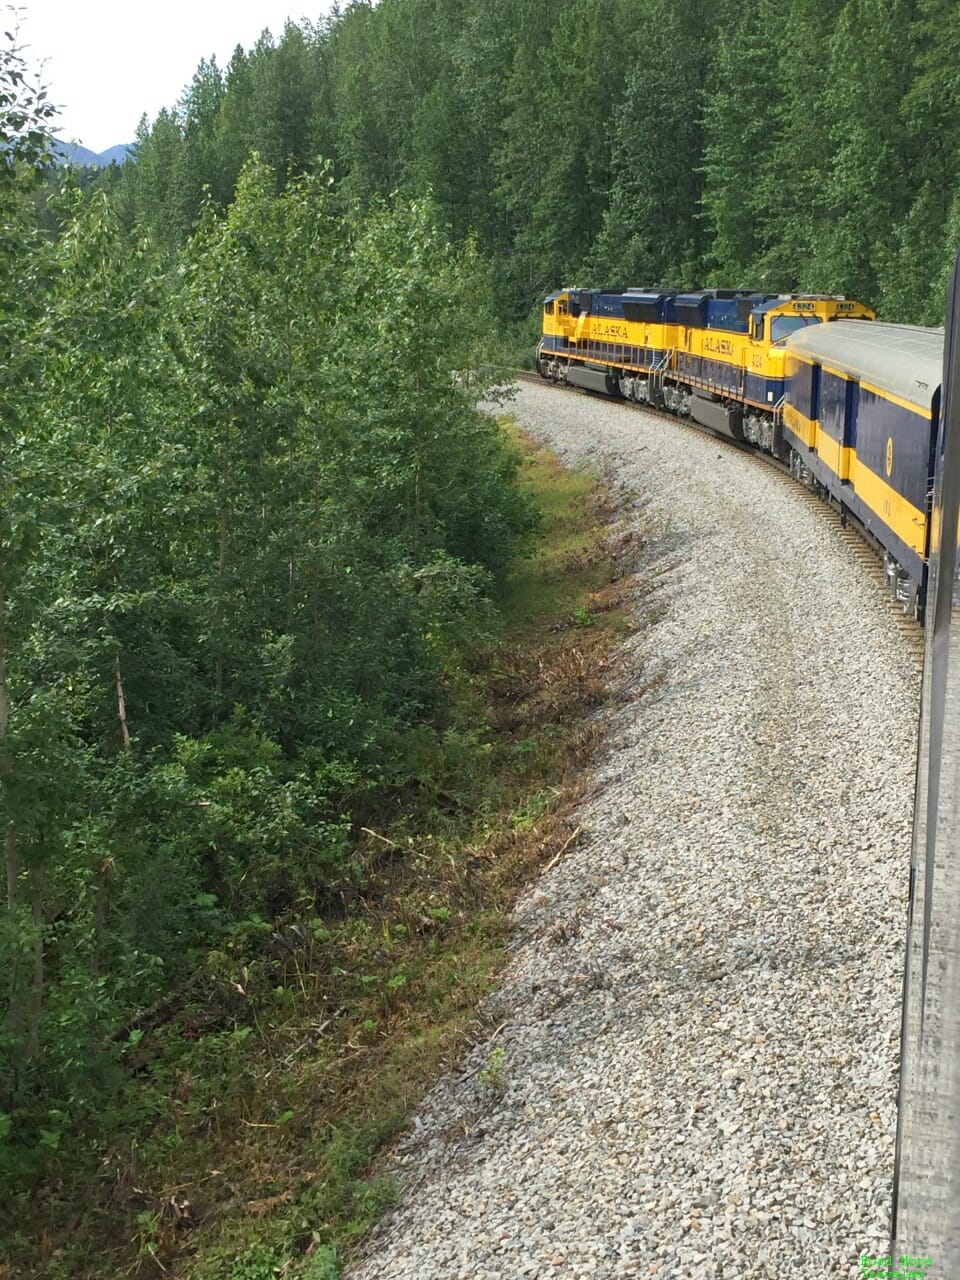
852	407
717	356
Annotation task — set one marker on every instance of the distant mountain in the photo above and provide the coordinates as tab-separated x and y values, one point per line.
69	153
118	154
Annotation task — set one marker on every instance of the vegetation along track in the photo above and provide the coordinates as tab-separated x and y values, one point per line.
693	1066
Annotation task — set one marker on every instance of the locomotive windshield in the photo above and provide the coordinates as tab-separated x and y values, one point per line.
782	326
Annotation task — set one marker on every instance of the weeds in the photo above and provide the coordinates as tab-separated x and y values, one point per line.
493	1078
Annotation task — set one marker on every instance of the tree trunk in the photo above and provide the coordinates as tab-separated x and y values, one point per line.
221	572
36	1003
11	852
99	915
121	704
12	860
11	856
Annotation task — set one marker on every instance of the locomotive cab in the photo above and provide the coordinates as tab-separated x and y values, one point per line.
559	312
777	318
558	324
771	327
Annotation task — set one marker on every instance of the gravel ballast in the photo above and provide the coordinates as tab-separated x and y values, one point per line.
692	1067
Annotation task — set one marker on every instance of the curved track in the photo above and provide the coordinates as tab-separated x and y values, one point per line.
701	1019
870	553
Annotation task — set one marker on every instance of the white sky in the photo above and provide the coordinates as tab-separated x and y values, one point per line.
109	61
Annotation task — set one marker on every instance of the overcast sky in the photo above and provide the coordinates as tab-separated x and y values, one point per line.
109	61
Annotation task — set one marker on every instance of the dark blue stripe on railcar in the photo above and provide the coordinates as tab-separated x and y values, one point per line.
803	389
719	375
764	390
880	420
838	407
724	376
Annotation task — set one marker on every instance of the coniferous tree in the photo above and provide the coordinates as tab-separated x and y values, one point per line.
652	231
742	102
793	197
917	253
868	183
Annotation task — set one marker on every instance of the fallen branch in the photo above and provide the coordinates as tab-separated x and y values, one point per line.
377	836
562	850
158	1013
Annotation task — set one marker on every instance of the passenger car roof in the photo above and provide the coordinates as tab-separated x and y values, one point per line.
903	359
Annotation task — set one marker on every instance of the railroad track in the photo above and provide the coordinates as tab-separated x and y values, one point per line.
845	527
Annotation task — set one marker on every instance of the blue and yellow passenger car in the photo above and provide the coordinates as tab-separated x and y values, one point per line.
860	418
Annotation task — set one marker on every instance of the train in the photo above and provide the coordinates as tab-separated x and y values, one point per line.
850	404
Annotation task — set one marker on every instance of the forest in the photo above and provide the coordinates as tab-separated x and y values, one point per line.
801	147
253	529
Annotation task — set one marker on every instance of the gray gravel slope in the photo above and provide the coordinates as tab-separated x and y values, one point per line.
695	1075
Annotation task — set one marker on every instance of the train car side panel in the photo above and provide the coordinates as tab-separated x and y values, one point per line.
890	471
836	428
